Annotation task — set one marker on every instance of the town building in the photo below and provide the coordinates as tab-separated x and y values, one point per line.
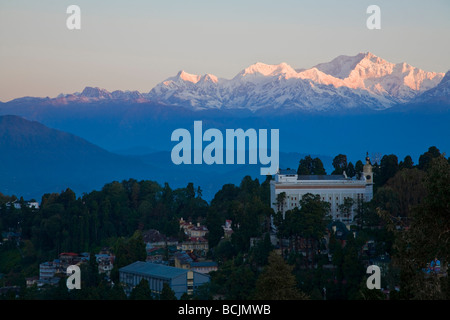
183	260
72	258
197	245
288	188
48	269
196	240
180	280
188	261
204	267
50	272
11	236
31	281
105	263
154	238
191	230
18	205
155	254
227	229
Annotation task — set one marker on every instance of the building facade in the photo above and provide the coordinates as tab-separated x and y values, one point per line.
180	280
288	188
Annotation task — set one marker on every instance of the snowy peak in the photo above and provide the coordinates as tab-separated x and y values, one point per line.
365	65
439	95
208	78
95	94
347	82
364	80
183	75
98	93
371	66
399	82
341	66
267	70
446	80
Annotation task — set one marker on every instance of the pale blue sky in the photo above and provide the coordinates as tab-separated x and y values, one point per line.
134	44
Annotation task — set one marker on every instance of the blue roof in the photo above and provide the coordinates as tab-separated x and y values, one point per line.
153	270
183	256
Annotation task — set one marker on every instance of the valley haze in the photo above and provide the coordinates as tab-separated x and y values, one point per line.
350	105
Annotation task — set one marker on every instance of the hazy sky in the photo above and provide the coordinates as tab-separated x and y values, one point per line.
134	44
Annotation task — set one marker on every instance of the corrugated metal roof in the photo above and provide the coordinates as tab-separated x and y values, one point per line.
153	269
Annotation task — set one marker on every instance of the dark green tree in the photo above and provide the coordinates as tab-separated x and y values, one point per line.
259	254
141	291
346	208
277	282
359	167
426	158
427	237
214	224
128	251
317	167
339	164
407	163
351	172
388	169
167	293
306	223
308	166
117	293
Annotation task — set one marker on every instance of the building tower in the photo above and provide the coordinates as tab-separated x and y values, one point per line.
367	170
368	176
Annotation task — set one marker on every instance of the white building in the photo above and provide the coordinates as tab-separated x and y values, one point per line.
17	205
331	188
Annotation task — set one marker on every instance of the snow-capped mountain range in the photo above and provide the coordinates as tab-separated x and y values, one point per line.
362	81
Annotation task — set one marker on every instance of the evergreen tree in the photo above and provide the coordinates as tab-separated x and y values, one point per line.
308	166
339	164
407	163
427	237
359	167
351	172
117	293
388	169
426	158
167	293
141	291
277	282
317	167
215	230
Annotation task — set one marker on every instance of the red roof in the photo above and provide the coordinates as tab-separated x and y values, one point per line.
69	254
